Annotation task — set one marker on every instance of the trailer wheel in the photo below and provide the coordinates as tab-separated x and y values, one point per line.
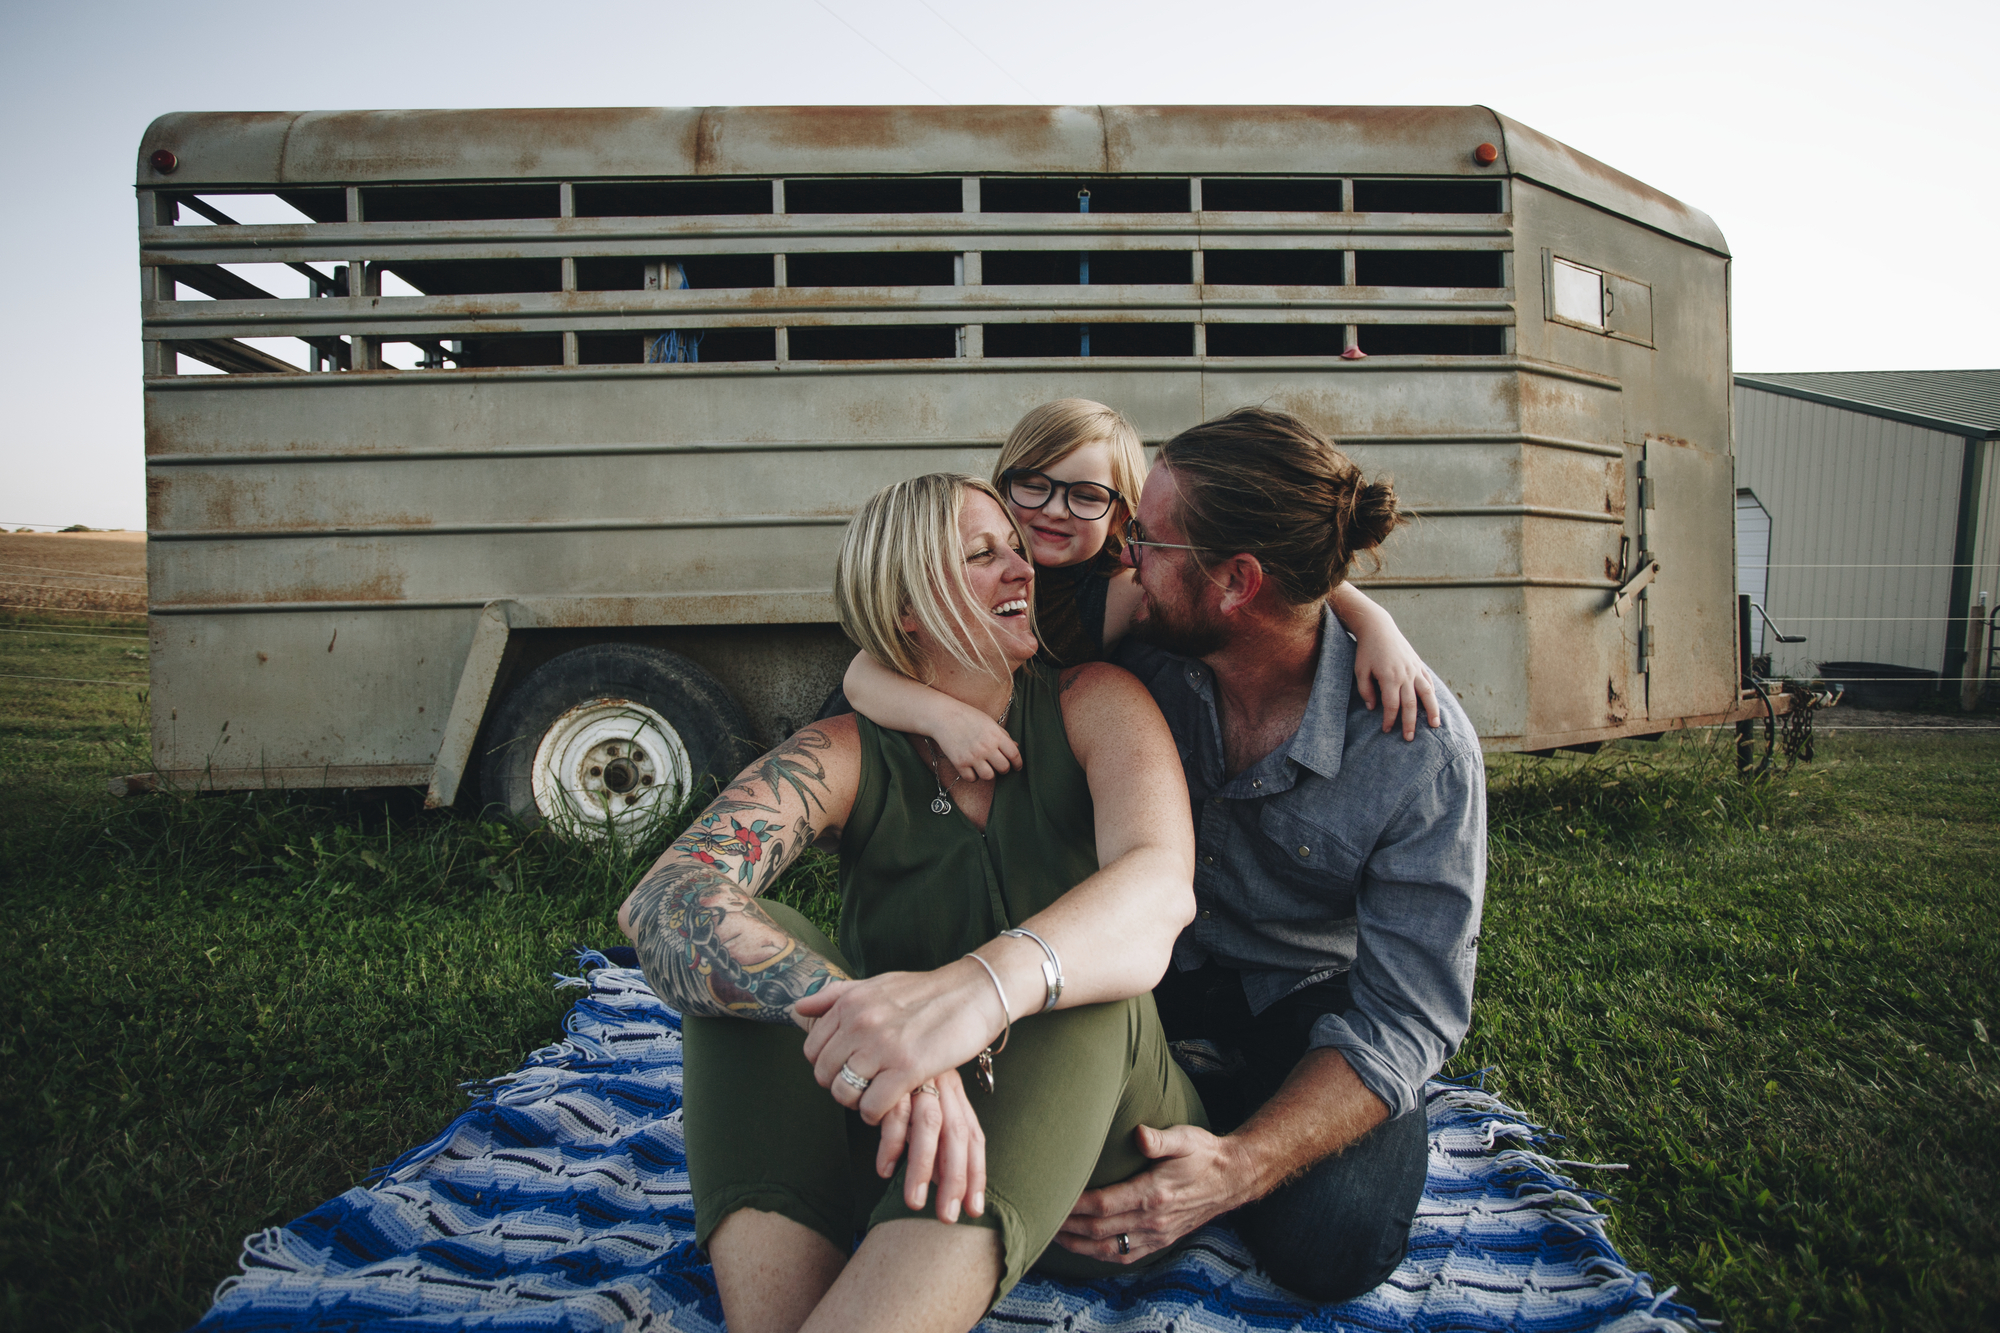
604	741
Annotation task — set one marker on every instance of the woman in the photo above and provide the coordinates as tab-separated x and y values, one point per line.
1084	853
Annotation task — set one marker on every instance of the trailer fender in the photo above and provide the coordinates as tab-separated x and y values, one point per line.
468	707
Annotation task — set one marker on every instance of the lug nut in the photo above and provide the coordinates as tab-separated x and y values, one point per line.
611	750
596	772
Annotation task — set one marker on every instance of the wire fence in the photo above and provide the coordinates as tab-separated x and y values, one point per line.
1894	634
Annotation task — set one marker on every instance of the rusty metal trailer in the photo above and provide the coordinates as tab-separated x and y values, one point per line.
546	460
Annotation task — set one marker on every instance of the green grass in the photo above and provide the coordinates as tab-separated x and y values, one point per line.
1775	1006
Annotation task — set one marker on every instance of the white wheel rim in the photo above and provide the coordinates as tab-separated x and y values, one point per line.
609	767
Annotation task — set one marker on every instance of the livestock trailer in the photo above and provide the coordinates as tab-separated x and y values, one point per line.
534	431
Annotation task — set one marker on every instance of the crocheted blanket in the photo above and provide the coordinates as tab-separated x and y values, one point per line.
560	1201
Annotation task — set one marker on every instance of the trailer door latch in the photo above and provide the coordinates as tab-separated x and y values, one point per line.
1649	569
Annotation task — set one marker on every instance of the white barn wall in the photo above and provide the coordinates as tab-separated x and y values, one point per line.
1863	519
1986	539
1753	558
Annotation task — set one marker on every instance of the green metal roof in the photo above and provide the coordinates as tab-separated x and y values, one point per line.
1957	402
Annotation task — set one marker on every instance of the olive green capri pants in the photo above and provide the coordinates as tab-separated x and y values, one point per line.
1069	1090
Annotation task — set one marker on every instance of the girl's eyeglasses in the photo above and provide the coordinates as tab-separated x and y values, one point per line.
1136	543
1087	500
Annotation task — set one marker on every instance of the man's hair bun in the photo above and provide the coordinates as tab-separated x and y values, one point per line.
1268	484
1374	517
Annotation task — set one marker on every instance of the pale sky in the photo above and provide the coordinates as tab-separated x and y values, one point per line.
1847	151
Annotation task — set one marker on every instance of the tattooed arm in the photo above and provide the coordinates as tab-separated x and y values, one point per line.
706	945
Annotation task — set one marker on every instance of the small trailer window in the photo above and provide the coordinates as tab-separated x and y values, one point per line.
1576	293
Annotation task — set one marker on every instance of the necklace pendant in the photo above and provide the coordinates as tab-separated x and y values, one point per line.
940	806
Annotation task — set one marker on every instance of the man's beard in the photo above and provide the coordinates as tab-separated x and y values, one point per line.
1193	633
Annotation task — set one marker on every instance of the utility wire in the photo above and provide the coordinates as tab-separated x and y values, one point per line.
885	55
69	680
73	573
977	47
72	634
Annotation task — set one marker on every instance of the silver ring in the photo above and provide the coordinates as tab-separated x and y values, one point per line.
1124	1243
852	1079
931	1088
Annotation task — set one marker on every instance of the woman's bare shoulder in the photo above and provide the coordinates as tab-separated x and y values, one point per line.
1098	696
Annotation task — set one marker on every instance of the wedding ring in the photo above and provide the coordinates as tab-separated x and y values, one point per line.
1124	1243
852	1079
931	1088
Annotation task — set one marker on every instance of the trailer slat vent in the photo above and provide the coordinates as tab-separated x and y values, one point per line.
513	349
889	194
1058	194
1015	340
909	268
1428	268
710	346
319	205
849	342
702	272
1427	196
1057	268
469	277
457	203
1276	339
1431	339
1271	196
1273	268
672	199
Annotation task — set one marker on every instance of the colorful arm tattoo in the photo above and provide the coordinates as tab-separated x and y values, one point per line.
706	945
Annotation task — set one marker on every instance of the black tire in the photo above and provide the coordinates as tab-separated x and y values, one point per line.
706	722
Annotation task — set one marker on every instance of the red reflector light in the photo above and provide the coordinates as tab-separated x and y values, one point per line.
164	161
1486	155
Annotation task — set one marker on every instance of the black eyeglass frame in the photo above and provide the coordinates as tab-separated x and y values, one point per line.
1064	488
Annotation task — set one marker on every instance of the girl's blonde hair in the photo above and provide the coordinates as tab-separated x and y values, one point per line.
1054	431
902	557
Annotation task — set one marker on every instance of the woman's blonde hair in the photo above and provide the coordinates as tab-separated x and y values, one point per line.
1054	431
902	557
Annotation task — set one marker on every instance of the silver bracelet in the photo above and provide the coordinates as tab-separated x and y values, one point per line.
1006	1029
1052	978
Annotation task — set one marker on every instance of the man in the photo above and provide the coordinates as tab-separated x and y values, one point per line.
1339	872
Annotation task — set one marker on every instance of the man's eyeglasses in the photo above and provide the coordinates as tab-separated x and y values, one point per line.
1088	500
1136	543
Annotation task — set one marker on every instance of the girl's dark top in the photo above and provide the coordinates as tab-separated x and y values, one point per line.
918	889
1069	611
1069	620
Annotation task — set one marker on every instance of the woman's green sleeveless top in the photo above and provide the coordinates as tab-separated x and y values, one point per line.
918	889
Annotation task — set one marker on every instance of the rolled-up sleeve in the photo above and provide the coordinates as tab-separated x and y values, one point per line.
1417	917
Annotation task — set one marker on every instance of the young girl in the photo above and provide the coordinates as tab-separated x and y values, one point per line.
1071	472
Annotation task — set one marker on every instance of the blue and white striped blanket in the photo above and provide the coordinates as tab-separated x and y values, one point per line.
560	1201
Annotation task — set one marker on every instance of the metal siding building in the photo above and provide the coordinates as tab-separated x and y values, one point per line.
1884	510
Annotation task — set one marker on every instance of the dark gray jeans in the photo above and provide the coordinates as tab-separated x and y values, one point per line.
1341	1228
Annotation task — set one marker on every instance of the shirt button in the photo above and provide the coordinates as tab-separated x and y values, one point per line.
1208	860
1206	915
1305	851
1257	782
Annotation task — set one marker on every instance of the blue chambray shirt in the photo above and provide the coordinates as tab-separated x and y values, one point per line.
1343	850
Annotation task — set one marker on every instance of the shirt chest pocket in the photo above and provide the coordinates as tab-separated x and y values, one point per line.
1305	873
